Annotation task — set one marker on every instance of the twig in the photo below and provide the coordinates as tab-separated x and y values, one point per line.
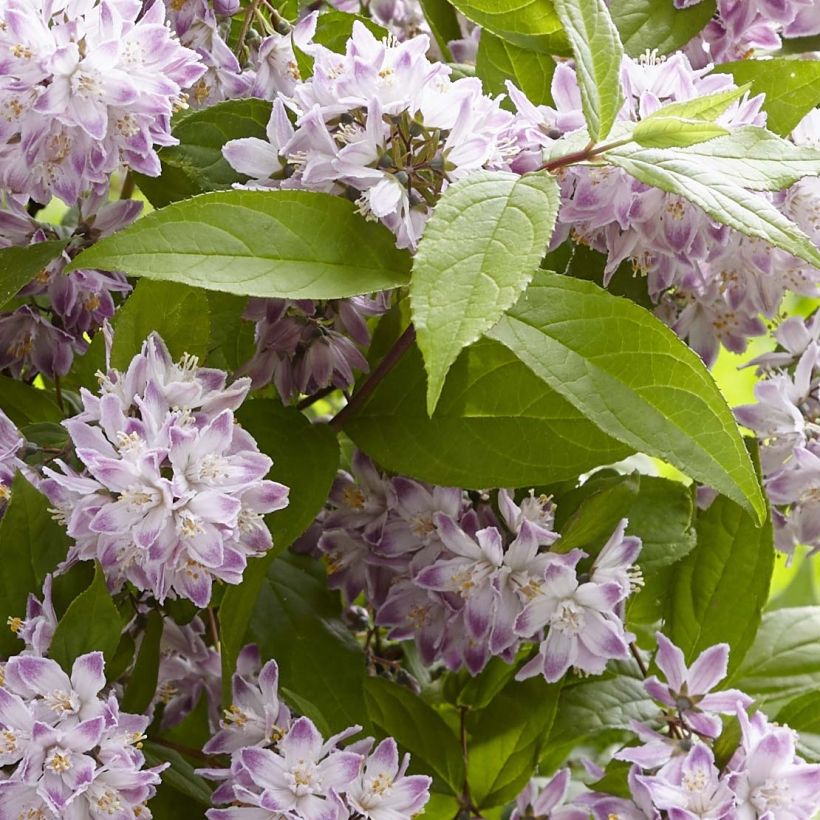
400	347
197	754
127	190
214	628
636	653
58	392
308	400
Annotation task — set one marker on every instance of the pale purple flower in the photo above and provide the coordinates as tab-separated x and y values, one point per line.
30	344
89	88
255	717
547	800
11	442
688	690
173	495
76	754
583	631
768	778
383	790
696	793
615	563
37	628
298	776
189	670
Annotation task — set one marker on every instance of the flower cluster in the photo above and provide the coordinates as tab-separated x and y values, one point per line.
468	585
305	346
11	442
87	86
786	419
743	27
172	491
383	124
189	669
710	283
65	750
674	772
282	766
56	311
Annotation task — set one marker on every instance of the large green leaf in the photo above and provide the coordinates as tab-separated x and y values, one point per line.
673	132
750	157
196	165
25	404
506	740
803	715
91	623
305	458
142	684
629	374
480	248
792	88
598	706
179	777
722	197
18	266
598	53
441	17
179	313
732	562
31	546
784	661
289	244
498	61
418	729
496	425
530	24
646	25
297	621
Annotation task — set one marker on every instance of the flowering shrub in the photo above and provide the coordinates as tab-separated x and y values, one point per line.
366	443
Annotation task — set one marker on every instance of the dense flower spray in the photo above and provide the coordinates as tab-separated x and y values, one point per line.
172	491
88	86
786	419
68	751
281	765
710	283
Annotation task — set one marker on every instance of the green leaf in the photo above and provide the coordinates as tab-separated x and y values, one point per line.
604	503
179	314
296	620
532	24
31	546
305	458
792	88
288	244
441	17
506	740
496	425
750	157
629	374
498	61
333	29
91	623
196	165
598	707
482	244
480	690
179	776
25	404
18	266
231	342
733	561
672	132
784	661
417	728
707	108
598	54
722	198
143	681
646	25
662	515
803	715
